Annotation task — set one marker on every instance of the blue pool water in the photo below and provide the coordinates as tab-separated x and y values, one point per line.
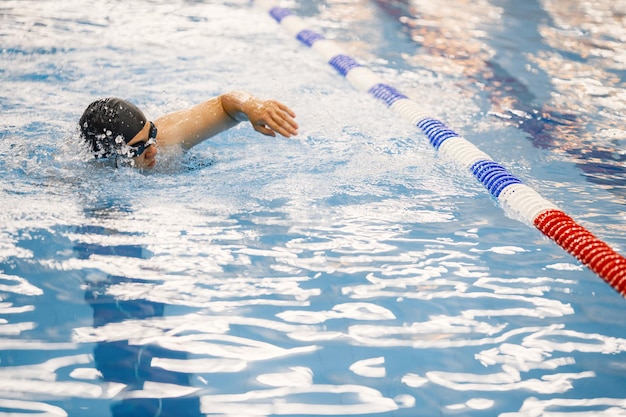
347	271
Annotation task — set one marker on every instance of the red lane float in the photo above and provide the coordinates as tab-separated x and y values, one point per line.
581	243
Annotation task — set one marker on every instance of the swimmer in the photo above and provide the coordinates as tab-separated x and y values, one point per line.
113	127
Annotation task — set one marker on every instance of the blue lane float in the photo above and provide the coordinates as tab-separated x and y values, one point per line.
517	199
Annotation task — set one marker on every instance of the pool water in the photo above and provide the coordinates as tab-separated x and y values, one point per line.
346	271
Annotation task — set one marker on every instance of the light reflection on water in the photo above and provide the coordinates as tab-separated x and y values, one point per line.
261	336
347	272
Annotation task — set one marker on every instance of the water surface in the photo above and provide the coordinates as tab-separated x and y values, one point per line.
348	271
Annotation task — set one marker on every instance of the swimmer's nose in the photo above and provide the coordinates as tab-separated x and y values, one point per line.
151	151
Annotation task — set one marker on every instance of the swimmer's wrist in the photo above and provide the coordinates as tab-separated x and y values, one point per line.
237	105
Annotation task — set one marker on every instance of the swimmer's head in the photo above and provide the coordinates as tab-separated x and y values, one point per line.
108	124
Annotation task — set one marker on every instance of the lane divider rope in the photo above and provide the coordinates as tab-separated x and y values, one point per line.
516	198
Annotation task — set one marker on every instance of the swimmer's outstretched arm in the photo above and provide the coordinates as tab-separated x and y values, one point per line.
191	126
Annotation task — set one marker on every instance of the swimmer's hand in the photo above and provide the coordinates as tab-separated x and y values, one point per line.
266	116
270	117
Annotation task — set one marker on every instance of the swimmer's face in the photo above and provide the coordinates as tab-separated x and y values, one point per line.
144	146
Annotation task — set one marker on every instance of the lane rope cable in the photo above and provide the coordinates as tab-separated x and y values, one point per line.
513	196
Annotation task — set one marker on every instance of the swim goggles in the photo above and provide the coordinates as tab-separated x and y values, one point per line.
139	148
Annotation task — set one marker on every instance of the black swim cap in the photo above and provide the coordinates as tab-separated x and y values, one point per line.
107	120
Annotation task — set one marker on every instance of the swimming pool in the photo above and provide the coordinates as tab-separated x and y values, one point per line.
348	271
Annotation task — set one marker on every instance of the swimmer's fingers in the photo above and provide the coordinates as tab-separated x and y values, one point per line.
286	121
262	128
